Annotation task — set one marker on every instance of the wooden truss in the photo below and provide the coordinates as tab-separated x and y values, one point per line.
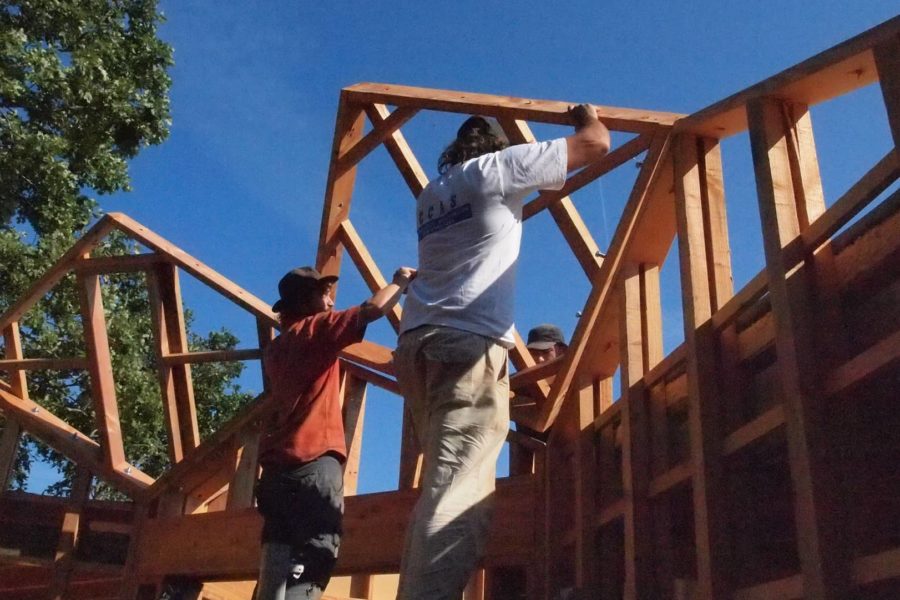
740	465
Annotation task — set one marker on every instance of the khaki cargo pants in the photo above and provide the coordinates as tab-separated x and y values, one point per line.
456	385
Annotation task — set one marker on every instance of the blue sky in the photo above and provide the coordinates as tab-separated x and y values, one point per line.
240	182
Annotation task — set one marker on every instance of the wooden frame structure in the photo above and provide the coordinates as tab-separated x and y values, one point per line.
757	460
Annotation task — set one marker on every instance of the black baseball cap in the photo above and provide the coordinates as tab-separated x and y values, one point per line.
297	284
482	125
544	337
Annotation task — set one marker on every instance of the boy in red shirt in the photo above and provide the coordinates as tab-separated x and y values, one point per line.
302	451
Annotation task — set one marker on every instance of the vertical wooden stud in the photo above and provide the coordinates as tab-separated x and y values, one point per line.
354	409
68	538
166	379
265	334
603	394
410	454
640	340
240	489
12	429
103	389
178	376
585	475
539	573
706	285
9	449
784	198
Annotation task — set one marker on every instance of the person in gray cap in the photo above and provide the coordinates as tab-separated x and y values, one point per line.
456	329
302	449
546	342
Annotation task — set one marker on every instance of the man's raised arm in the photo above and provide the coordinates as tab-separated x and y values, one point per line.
590	142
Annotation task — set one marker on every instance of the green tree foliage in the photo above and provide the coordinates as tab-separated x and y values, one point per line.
83	88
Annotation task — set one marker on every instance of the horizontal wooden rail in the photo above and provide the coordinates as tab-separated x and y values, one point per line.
39	364
373	377
526	377
541	111
126	263
208	356
765	423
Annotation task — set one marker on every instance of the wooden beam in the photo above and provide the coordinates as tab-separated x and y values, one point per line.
521	358
584	469
348	130
702	293
9	451
836	71
400	152
265	334
103	387
875	360
209	457
159	326
68	538
782	196
575	232
539	372
60	268
411	457
41	364
131	571
126	263
616	158
366	266
208	356
852	202
18	385
194	267
600	296
887	63
373	377
353	399
70	442
542	111
169	289
762	425
675	475
246	468
640	341
370	355
214	545
379	133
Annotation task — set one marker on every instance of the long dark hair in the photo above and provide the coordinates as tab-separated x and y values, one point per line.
469	144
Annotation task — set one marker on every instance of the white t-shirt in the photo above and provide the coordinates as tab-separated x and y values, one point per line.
469	223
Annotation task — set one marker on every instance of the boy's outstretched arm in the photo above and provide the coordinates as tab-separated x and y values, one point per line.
384	299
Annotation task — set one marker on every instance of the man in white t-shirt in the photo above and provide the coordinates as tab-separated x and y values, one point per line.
457	326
